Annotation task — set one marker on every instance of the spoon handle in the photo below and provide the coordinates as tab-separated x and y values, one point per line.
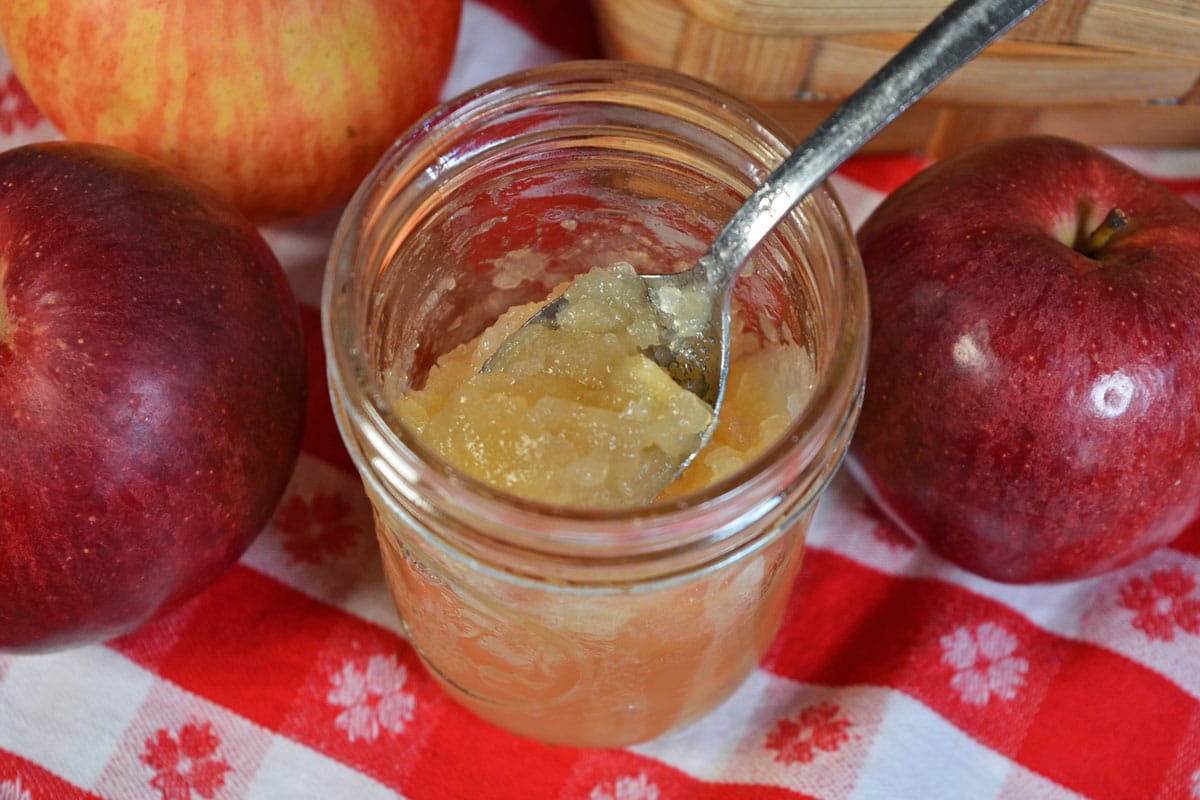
954	37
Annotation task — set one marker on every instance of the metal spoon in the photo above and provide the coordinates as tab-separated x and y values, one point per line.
696	335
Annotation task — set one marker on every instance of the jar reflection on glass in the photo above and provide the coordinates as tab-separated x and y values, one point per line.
596	628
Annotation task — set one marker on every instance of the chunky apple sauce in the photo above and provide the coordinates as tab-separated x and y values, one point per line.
578	415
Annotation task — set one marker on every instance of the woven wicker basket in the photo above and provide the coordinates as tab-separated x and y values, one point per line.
1109	72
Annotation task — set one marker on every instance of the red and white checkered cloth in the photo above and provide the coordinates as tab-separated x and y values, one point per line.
896	675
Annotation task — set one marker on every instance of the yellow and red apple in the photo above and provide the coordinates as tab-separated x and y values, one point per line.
282	106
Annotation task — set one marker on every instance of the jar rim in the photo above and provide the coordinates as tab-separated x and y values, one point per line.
702	514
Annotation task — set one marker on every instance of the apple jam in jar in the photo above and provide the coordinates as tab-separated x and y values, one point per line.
587	626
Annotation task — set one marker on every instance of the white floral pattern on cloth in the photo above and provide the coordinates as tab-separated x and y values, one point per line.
16	108
1196	785
985	663
821	727
185	762
628	787
372	698
316	528
12	790
1162	602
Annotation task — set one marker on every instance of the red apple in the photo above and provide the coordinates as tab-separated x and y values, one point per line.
152	391
1032	409
282	106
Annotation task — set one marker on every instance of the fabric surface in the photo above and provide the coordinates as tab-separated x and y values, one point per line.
895	676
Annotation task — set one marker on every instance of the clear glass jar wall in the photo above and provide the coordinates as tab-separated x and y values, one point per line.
598	628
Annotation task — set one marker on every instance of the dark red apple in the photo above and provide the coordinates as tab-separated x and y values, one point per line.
152	391
1032	409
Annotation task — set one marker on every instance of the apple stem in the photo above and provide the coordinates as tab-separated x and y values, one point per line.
1114	223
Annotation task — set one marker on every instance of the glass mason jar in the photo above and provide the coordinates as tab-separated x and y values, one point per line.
599	627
